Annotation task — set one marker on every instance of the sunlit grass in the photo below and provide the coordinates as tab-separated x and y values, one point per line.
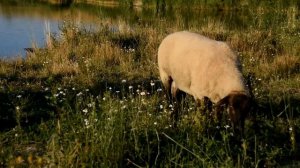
93	99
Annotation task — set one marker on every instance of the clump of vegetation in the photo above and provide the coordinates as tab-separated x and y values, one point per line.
94	99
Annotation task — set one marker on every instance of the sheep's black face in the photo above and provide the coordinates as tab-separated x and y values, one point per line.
239	108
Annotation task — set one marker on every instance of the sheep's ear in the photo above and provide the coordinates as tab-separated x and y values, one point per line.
223	102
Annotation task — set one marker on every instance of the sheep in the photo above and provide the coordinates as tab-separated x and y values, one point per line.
206	69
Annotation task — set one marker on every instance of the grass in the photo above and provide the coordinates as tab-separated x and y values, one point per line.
93	99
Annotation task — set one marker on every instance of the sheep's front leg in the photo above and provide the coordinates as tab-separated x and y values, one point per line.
207	105
206	102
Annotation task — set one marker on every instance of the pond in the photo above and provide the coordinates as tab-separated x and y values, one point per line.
24	27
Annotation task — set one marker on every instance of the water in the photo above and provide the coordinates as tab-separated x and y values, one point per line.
26	26
18	32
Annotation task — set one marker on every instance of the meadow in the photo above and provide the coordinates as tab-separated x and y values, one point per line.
94	99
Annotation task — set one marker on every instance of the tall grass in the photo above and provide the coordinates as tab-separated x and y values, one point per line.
93	99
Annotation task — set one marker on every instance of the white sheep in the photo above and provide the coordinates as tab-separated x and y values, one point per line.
204	68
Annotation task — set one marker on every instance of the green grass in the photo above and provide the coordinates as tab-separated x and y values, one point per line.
94	99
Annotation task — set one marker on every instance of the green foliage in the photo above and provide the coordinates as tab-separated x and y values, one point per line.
94	99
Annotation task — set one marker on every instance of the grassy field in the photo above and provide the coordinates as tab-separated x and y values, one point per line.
94	99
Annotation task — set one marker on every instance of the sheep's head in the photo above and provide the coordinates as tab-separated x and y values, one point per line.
239	106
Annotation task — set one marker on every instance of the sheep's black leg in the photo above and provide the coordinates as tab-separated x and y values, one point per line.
169	89
177	97
171	96
178	103
207	105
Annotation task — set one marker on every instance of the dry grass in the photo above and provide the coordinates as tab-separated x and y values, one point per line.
283	66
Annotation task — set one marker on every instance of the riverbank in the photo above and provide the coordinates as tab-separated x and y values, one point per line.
94	99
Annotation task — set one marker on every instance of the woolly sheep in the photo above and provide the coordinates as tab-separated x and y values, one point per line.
205	69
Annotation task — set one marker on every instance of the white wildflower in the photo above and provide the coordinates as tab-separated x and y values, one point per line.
226	126
85	111
86	122
152	83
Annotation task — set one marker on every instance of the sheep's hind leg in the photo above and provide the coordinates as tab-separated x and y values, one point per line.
167	82
177	97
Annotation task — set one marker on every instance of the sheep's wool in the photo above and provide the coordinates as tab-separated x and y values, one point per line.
199	66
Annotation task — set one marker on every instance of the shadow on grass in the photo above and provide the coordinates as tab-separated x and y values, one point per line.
21	102
285	107
7	112
31	110
29	105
